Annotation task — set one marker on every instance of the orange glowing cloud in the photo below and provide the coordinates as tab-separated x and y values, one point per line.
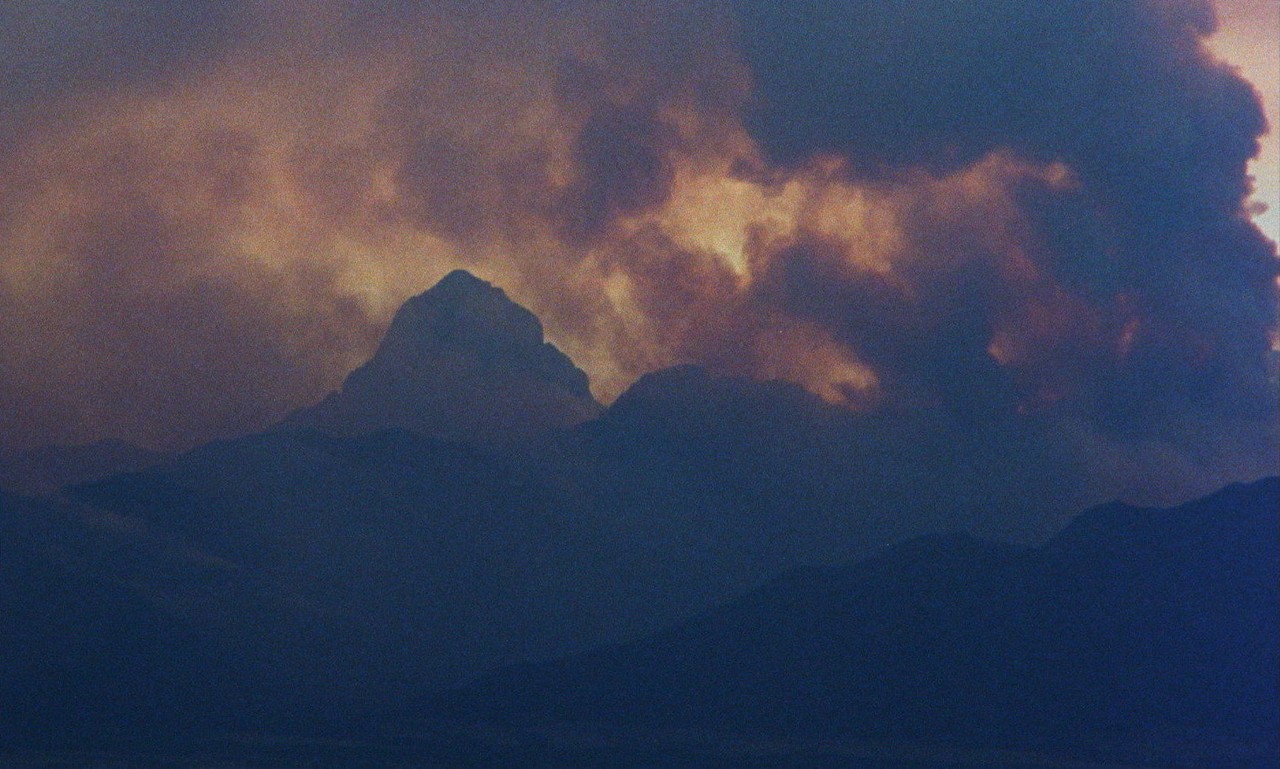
225	244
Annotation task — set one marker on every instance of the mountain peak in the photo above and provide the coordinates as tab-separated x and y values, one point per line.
463	360
463	293
462	280
474	316
461	283
691	388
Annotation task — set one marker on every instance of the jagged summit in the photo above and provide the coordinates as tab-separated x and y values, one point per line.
460	360
465	314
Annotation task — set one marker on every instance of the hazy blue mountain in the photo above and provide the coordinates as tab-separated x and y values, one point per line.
800	480
420	562
343	565
1145	636
1136	634
402	562
47	469
107	627
460	360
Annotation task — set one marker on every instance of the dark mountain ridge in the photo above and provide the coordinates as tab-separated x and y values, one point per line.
1136	634
463	505
45	470
460	360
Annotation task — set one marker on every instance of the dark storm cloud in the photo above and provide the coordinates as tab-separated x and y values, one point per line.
928	343
48	47
969	212
941	83
1123	93
624	165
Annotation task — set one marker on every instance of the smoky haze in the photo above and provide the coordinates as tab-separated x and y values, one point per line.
1027	217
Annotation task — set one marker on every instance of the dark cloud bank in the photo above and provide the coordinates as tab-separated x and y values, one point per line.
1068	274
997	247
1174	291
1123	93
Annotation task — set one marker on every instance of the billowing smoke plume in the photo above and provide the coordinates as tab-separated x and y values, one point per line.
1019	218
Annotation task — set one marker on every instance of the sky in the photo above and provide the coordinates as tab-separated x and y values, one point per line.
210	210
1247	38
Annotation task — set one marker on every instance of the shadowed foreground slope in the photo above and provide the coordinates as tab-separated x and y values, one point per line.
1134	635
325	575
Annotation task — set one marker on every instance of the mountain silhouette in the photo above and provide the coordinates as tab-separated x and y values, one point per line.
459	360
462	505
403	562
1136	634
373	567
103	626
47	469
398	561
